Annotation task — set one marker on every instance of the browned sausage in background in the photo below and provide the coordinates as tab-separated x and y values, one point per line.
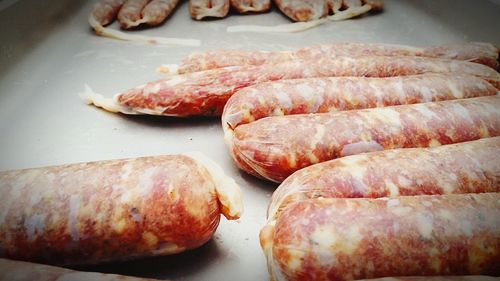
200	9
303	10
346	239
105	11
275	147
113	210
244	6
483	53
469	167
24	271
130	13
157	11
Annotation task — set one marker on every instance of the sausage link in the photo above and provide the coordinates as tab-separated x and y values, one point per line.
25	271
105	11
483	53
206	93
130	14
303	10
157	11
346	239
113	210
275	147
200	9
469	167
244	6
320	95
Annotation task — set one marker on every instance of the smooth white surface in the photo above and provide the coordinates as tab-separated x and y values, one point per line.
48	52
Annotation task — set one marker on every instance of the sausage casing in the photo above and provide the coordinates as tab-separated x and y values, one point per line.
346	239
483	53
275	147
206	93
113	210
469	167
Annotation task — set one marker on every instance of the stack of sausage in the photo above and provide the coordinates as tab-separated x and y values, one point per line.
393	176
413	134
131	13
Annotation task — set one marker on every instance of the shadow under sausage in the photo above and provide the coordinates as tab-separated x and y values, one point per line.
178	266
172	122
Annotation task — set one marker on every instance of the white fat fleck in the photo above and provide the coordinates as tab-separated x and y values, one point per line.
277	112
153	89
447	186
434	143
306	91
295	259
317	103
392	203
312	158
424	110
126	196
378	94
426	94
393	189
424	225
74	206
35	198
388	115
454	91
325	238
427	204
34	226
398	85
401	211
284	100
403	181
318	136
466	227
174	80
146	182
127	169
360	147
462	112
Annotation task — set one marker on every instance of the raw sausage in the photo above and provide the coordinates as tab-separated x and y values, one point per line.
319	95
275	147
345	239
469	167
113	210
244	6
205	93
483	53
200	9
25	271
